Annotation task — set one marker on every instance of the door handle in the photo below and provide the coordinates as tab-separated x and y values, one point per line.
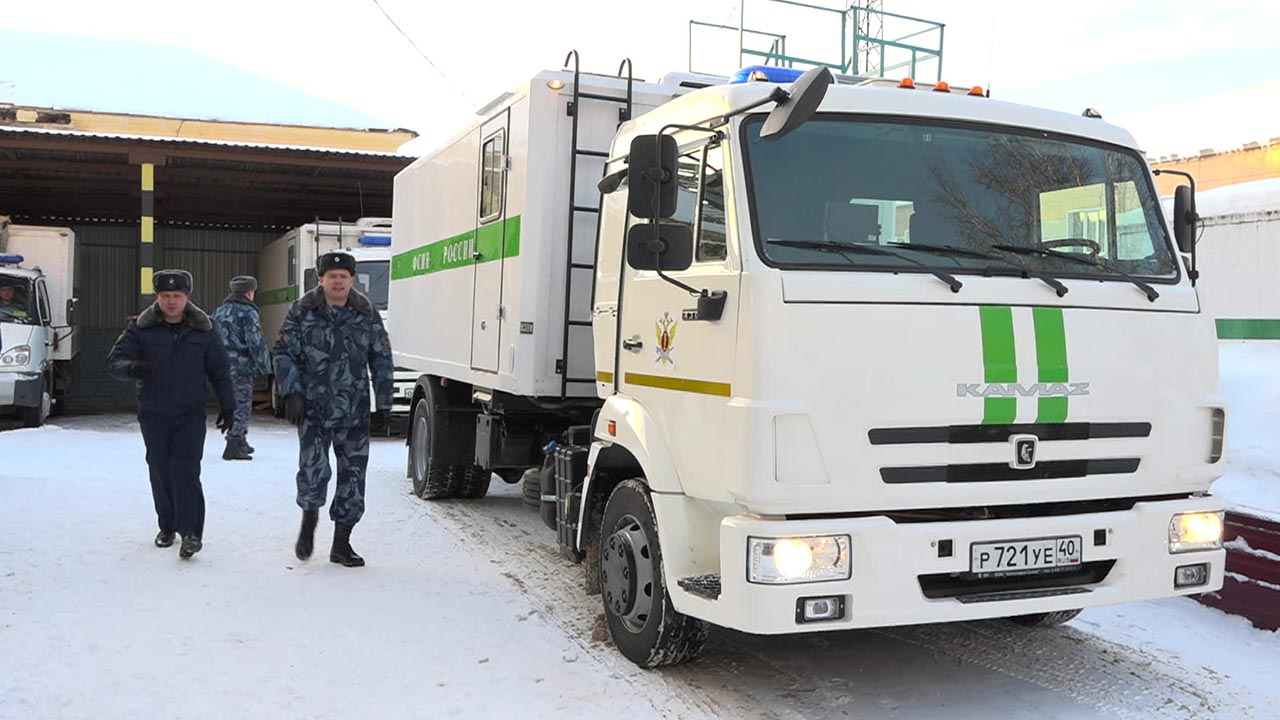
632	343
477	255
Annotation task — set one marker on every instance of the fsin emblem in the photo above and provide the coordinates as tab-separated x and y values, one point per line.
666	330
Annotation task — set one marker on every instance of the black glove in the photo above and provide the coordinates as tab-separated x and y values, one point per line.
138	369
380	418
225	418
295	408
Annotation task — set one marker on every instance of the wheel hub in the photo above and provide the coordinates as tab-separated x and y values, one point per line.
626	575
421	443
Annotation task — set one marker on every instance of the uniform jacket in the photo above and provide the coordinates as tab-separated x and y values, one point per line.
240	328
326	354
181	360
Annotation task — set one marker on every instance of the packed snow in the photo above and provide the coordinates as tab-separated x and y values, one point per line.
467	610
1249	380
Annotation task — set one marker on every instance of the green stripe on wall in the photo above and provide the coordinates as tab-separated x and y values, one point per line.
1051	361
493	242
277	296
1257	329
999	361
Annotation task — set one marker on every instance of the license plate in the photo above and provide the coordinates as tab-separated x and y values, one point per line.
1012	557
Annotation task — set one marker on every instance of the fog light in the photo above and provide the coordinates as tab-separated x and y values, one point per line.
1189	532
818	609
1191	575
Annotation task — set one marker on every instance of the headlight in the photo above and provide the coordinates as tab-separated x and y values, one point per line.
783	561
20	355
1195	531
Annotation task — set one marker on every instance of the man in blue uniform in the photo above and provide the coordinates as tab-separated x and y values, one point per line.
331	339
171	351
240	328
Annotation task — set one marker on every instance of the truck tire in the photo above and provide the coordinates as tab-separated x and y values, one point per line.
471	482
645	627
531	485
432	480
33	417
1048	619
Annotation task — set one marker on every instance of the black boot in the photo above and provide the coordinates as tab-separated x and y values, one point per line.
237	449
342	552
190	546
247	447
307	534
164	539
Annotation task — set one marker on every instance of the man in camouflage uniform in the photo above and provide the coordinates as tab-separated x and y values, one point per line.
241	331
331	339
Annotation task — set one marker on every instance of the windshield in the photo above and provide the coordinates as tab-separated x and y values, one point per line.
839	179
373	278
16	304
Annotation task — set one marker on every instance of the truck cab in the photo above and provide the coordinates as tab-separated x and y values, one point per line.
37	338
922	357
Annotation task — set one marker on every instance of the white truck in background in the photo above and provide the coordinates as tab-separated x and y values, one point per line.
287	268
38	338
816	353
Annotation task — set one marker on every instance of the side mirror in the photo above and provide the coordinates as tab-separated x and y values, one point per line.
1184	219
663	247
804	98
651	176
73	311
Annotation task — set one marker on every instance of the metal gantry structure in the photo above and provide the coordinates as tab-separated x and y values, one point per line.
864	48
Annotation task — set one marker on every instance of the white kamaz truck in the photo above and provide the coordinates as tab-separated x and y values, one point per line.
287	268
797	353
38	337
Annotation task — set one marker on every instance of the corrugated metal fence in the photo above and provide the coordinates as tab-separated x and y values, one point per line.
107	285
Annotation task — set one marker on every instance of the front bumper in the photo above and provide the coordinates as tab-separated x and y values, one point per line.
890	558
19	389
402	397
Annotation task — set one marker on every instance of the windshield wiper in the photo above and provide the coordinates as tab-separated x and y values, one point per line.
1150	291
1058	287
845	249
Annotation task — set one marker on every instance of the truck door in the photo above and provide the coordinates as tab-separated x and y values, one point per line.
487	250
675	365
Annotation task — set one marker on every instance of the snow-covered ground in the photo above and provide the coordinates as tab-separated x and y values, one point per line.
466	610
1249	377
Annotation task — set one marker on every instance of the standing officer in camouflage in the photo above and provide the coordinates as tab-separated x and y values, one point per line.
331	339
240	328
171	351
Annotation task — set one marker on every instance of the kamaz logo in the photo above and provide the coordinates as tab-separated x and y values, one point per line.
1013	390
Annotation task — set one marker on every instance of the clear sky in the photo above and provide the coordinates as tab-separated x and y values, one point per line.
1180	74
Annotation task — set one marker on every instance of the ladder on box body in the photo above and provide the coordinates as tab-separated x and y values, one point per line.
571	267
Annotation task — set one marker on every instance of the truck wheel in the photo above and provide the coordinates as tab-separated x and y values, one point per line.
645	627
34	417
531	484
1048	619
471	482
431	479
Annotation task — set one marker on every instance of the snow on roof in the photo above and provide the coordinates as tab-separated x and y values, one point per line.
1240	199
200	141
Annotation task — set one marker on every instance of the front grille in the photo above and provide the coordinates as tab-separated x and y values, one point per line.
969	434
1001	472
954	585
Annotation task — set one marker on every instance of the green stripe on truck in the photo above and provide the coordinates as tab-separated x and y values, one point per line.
999	362
277	296
1051	360
494	241
1248	329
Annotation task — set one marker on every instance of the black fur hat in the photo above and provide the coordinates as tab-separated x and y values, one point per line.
172	281
336	261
